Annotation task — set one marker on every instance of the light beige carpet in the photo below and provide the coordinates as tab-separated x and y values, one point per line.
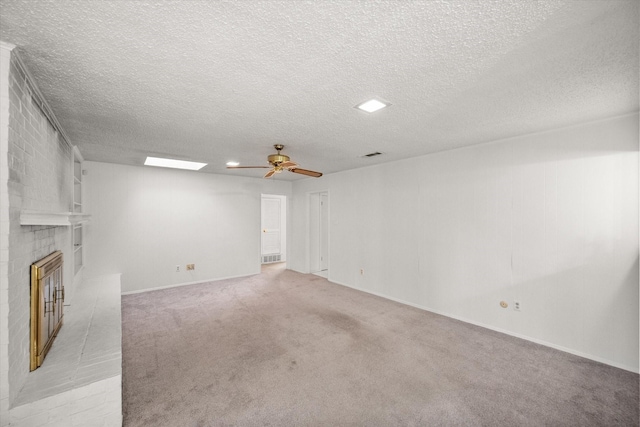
287	349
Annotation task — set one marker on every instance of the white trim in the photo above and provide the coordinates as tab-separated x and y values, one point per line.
77	154
177	285
482	325
7	46
60	219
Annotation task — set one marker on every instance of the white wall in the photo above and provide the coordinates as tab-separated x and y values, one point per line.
550	219
146	221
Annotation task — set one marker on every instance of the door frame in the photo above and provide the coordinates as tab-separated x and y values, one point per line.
283	224
315	229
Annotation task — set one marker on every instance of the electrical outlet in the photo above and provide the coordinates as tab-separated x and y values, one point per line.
191	267
516	305
362	271
177	269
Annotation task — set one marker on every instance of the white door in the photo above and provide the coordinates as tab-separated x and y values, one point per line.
324	231
272	227
319	232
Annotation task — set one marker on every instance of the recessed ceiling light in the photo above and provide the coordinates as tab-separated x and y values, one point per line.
172	163
233	163
372	105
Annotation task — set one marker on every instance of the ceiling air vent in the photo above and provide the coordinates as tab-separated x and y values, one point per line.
377	153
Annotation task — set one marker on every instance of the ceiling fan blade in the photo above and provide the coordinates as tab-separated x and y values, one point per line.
306	172
248	167
270	173
288	164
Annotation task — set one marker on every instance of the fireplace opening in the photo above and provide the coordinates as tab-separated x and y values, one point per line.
47	303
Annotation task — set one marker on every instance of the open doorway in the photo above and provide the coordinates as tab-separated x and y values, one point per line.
319	233
273	228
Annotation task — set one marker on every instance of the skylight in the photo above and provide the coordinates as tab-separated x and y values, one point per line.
372	105
172	163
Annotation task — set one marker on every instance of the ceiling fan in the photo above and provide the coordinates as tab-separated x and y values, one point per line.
280	162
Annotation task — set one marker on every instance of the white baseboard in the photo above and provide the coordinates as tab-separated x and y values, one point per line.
176	285
633	369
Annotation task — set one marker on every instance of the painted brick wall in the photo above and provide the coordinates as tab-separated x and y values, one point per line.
97	404
80	383
5	60
39	167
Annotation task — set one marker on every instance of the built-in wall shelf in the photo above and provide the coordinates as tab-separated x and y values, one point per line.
78	253
59	219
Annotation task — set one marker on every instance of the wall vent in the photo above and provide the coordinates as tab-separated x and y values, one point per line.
377	153
266	259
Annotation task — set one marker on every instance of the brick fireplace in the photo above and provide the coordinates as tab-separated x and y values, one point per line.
79	383
47	306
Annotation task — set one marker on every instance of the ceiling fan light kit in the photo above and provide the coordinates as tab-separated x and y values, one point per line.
279	162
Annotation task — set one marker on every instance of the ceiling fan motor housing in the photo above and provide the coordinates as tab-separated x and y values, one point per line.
276	159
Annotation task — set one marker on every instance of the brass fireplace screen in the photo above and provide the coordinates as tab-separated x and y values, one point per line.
47	298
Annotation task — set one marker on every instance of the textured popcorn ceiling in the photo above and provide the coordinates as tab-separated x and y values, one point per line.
214	81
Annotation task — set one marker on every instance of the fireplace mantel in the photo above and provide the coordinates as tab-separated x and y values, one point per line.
57	219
